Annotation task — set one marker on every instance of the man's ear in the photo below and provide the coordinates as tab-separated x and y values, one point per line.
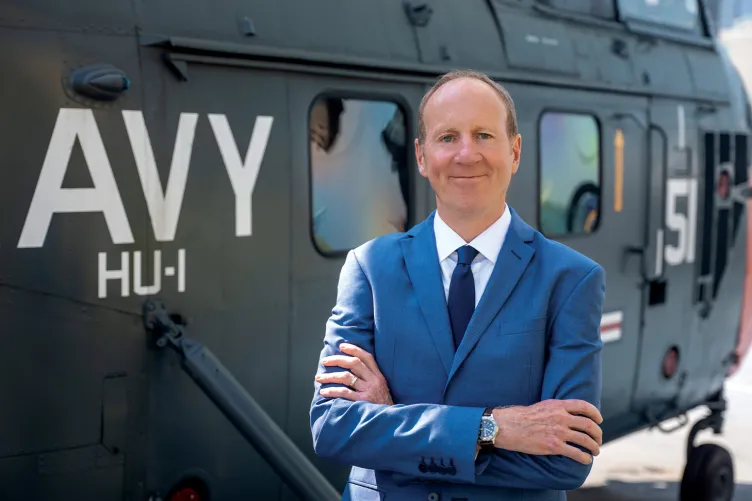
516	153
420	158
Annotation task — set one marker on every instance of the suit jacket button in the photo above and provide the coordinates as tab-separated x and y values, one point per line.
433	496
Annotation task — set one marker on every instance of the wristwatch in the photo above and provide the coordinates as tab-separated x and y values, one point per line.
488	430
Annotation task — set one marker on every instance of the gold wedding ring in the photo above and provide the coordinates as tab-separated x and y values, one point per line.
354	380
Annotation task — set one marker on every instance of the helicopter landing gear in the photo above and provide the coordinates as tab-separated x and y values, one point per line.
709	472
709	475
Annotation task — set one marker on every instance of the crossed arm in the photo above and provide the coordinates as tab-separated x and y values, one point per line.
361	426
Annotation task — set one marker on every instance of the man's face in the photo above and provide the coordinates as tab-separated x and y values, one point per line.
468	157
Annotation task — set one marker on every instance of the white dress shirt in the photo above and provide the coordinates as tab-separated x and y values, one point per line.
488	244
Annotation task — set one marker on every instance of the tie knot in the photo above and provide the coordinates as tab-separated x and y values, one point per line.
466	254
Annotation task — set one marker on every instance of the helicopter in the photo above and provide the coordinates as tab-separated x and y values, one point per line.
181	184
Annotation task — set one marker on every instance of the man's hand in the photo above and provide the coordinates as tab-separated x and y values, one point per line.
370	385
546	427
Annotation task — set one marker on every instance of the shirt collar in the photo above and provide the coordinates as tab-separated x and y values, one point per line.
487	243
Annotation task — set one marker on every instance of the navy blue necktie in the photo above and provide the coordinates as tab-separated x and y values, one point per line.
461	301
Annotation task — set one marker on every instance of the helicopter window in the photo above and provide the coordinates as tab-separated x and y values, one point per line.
569	173
358	151
683	14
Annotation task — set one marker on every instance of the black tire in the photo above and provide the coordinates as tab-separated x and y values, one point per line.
708	475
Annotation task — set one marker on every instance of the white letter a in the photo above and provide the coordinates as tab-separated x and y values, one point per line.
50	197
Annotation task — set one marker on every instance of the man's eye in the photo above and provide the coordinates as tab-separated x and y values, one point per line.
483	135
445	139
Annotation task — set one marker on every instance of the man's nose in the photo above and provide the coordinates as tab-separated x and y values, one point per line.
467	152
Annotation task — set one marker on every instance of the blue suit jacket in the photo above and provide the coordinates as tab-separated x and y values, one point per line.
534	336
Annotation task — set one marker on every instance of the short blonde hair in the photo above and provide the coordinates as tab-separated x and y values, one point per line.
454	75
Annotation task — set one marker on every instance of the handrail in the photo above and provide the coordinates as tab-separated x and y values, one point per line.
652	127
239	407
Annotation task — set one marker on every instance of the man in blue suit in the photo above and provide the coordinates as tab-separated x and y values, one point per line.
462	360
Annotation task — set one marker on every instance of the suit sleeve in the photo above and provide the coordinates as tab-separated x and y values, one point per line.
573	371
400	438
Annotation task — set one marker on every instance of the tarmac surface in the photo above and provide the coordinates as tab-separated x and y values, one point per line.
648	466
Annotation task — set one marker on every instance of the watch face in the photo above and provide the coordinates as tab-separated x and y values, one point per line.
487	428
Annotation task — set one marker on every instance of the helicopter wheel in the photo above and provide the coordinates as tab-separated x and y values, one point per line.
708	475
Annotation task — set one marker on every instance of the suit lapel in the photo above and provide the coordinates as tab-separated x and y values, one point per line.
422	263
514	256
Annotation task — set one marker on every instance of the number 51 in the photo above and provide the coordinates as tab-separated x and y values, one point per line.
684	225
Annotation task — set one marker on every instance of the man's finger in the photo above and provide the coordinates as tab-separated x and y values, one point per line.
582	408
576	454
586	425
583	440
339	360
345	393
361	354
340	377
354	364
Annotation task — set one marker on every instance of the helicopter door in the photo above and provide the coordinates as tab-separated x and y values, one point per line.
353	179
671	254
219	135
582	182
